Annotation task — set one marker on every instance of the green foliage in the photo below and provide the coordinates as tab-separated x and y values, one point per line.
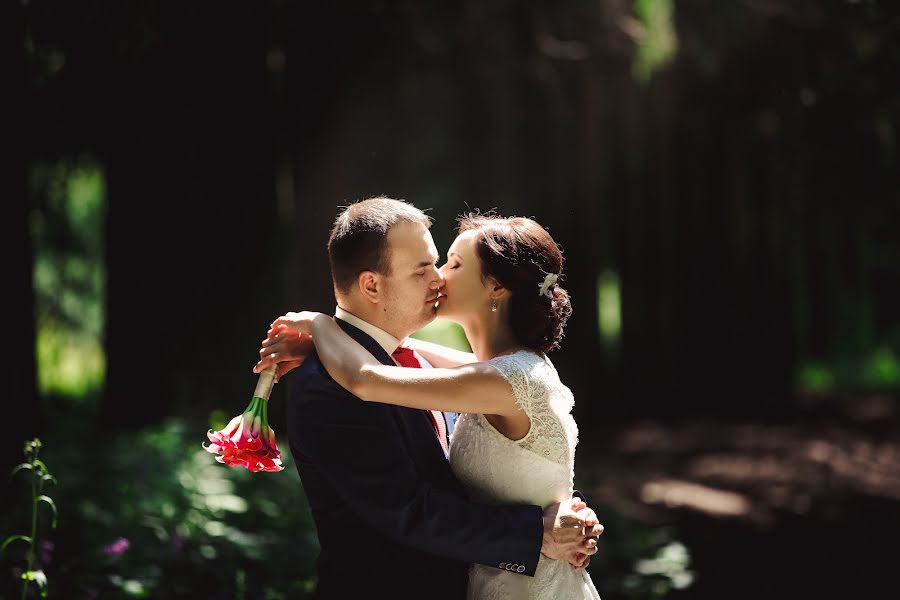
881	369
160	518
815	377
12	538
638	561
152	515
874	371
609	309
69	364
67	228
657	40
39	475
38	578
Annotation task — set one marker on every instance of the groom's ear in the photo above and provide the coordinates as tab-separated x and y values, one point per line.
369	285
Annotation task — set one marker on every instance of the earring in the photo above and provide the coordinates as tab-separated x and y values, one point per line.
494	307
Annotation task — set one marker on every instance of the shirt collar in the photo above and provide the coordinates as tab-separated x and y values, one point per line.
384	339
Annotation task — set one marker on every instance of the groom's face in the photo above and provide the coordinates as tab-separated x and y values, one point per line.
411	289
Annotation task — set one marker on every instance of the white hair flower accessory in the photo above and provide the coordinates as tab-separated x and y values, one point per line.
544	287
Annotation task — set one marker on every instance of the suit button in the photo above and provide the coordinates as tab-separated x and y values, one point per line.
521	569
503	565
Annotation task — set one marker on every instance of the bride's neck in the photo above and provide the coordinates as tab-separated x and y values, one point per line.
489	336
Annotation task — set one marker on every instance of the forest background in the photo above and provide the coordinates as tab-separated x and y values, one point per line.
723	178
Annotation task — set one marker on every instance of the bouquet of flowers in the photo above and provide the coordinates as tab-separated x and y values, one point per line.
247	440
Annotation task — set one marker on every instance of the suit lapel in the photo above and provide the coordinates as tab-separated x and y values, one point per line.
419	417
367	342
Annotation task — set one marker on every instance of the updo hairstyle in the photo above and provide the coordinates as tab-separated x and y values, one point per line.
519	254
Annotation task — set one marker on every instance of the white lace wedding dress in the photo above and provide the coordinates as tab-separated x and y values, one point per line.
537	469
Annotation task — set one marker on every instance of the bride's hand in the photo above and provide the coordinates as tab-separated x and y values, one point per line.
299	322
570	532
287	344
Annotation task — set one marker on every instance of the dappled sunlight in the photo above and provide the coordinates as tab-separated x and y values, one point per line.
722	177
609	309
69	363
684	494
747	471
145	502
69	274
876	369
653	31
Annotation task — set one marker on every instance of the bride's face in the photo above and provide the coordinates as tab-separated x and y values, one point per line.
464	292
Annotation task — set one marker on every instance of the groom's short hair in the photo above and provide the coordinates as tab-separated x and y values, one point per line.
358	240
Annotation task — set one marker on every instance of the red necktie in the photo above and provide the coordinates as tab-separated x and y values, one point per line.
406	357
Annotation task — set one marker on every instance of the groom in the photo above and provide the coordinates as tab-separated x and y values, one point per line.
392	520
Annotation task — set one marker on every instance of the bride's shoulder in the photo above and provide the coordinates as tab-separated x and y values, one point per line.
524	363
527	371
522	356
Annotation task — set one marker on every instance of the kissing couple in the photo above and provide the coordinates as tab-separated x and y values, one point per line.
403	509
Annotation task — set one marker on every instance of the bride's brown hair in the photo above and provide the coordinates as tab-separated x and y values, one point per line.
520	254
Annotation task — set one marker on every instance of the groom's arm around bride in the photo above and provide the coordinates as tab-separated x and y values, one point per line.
390	514
392	519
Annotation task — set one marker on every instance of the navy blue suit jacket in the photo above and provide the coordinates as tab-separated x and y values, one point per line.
392	519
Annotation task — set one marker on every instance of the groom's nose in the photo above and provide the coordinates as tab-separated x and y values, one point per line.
437	282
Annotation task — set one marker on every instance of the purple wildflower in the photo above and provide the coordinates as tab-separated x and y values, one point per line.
117	548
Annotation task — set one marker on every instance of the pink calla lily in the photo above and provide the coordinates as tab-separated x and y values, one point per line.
247	440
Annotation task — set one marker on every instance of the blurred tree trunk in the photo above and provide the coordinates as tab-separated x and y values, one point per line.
141	288
23	408
330	152
586	233
194	276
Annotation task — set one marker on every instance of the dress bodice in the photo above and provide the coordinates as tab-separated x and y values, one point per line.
536	469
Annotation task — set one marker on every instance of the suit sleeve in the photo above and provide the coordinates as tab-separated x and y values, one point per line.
359	449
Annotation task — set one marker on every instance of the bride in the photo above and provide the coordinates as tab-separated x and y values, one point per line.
515	441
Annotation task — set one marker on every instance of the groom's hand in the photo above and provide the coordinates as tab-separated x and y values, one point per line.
286	348
570	532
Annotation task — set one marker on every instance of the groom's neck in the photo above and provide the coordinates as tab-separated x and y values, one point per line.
371	314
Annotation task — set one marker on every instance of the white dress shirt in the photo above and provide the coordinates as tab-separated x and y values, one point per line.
384	339
390	343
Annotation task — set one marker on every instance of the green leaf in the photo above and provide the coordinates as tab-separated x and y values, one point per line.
36	576
39	578
48	500
50	478
19	468
11	538
40	464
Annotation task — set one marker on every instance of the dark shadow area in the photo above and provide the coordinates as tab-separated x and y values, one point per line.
809	509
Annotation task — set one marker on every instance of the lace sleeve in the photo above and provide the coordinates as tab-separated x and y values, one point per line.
546	436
